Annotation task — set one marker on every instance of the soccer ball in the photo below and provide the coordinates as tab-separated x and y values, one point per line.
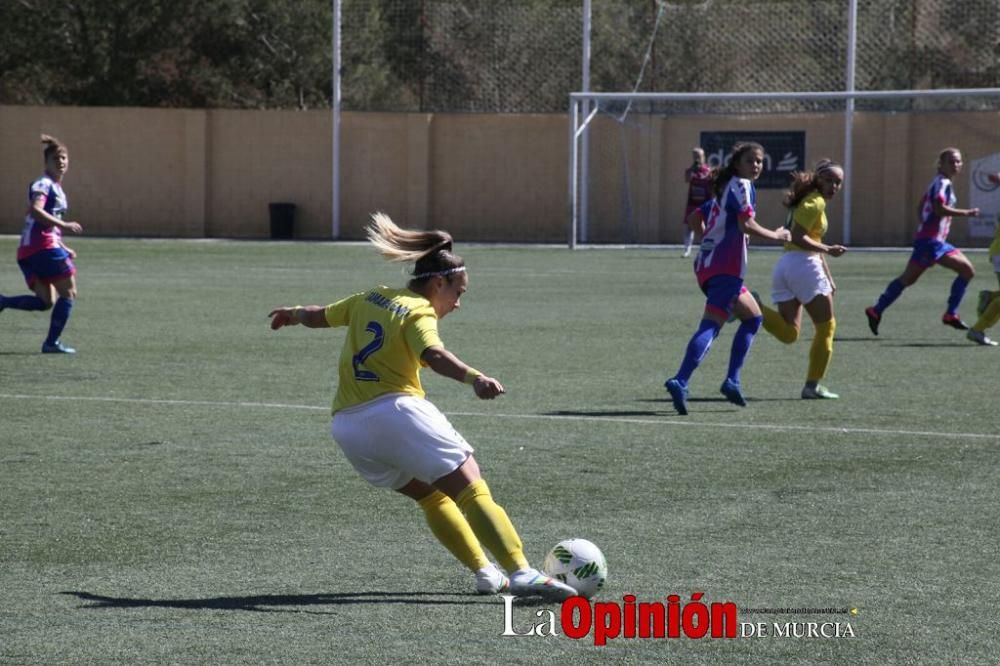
578	563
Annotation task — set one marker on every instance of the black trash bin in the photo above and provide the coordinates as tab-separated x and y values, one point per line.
282	220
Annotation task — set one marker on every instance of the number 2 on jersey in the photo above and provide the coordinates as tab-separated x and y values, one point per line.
360	373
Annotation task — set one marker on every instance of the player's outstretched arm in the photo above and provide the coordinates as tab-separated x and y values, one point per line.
446	364
310	316
750	226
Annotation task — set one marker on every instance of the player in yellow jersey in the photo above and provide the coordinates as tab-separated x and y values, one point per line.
989	301
802	278
394	437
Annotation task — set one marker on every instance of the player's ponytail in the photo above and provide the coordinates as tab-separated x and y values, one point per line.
805	182
52	145
428	250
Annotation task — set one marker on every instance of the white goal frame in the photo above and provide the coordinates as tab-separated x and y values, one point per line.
584	107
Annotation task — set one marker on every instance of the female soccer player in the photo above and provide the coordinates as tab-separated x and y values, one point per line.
44	259
394	437
930	245
802	278
724	225
989	301
699	179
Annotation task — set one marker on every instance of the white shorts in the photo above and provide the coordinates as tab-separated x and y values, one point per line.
799	276
397	438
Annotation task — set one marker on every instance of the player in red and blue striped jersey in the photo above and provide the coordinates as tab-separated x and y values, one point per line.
45	261
698	176
724	225
931	246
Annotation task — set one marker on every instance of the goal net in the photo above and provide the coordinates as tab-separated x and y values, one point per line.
629	152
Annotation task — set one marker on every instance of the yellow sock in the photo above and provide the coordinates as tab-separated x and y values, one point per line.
991	315
490	523
821	350
776	325
453	530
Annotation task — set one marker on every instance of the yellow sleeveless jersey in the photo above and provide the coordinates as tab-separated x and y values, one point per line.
810	214
388	330
995	245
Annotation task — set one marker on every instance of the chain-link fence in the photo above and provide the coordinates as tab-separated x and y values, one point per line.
475	55
525	55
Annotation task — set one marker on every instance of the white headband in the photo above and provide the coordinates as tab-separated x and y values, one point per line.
460	269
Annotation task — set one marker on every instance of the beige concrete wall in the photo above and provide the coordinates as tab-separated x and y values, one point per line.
132	172
501	177
195	173
258	157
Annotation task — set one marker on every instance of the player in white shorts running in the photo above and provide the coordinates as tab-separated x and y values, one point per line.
802	278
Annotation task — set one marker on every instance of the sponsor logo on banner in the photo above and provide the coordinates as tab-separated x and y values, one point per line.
784	152
984	194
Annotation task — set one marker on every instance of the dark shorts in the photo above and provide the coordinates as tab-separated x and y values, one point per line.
721	292
47	266
927	251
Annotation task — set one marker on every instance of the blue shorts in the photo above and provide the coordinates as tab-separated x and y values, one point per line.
722	292
47	266
927	251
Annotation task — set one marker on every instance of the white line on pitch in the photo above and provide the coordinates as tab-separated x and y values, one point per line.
154	401
544	417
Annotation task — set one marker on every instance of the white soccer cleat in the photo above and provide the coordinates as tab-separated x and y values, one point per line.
490	580
818	392
980	338
57	347
533	583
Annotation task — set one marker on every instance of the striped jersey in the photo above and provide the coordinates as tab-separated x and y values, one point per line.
699	185
37	236
724	245
931	226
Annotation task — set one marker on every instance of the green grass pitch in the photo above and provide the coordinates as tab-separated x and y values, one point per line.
171	494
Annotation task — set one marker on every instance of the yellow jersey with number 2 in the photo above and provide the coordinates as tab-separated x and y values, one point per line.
388	330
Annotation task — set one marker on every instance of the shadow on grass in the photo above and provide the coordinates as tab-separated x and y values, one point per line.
970	345
720	400
595	413
724	407
273	603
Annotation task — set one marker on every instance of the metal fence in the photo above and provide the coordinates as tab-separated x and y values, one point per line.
524	56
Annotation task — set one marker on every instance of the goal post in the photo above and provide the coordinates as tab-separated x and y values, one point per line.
629	188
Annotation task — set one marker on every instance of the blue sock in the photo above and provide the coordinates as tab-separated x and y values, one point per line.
26	302
741	346
60	315
889	296
698	348
957	292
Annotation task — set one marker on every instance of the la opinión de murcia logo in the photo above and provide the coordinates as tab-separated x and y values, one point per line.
579	618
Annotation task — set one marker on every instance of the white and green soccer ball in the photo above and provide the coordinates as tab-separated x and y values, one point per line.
578	563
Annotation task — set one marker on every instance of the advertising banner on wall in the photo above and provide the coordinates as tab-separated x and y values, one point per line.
784	152
984	194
